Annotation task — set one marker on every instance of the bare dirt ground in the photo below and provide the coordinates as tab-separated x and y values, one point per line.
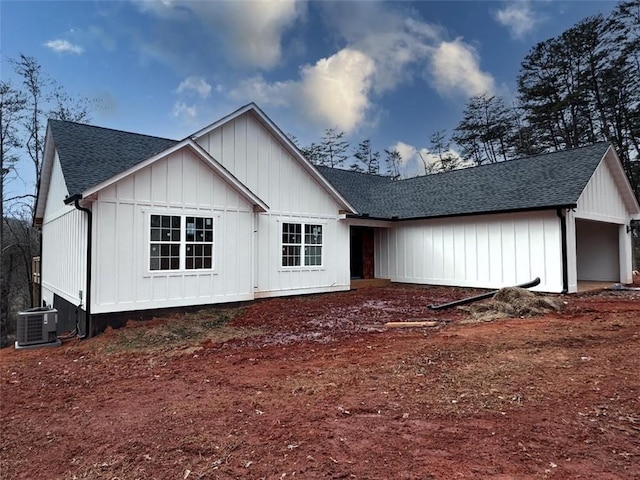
315	387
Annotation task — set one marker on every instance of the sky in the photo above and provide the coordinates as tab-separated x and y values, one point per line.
394	72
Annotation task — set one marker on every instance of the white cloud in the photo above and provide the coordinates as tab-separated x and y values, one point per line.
251	30
334	92
182	110
517	17
401	44
406	151
456	69
386	46
257	89
336	89
63	46
195	84
393	40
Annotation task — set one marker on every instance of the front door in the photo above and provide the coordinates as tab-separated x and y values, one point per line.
362	253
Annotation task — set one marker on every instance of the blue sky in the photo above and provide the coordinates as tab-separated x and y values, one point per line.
394	72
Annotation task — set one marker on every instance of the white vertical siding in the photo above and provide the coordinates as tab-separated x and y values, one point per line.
64	243
258	160
482	251
601	199
179	184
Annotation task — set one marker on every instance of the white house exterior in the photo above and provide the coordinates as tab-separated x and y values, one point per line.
486	251
239	184
133	223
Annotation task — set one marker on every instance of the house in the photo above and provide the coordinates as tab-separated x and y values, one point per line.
234	212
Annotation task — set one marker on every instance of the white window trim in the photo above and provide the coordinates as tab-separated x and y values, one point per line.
183	241
302	266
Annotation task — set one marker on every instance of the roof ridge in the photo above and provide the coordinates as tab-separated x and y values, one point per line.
379	175
111	129
526	157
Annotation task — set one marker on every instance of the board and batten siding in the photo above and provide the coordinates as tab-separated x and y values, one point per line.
179	184
601	199
485	251
64	244
258	159
603	208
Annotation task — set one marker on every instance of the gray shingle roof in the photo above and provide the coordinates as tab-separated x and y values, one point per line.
542	181
359	189
90	155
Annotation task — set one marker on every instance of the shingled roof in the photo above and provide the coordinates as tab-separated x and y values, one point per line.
543	181
90	155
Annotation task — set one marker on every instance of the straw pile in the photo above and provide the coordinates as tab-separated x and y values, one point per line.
512	302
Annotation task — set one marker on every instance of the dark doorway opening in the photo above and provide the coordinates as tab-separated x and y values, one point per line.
362	253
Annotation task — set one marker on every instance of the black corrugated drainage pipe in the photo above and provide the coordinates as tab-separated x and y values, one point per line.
565	267
76	202
482	296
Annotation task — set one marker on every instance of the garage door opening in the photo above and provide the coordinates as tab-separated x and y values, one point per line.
597	251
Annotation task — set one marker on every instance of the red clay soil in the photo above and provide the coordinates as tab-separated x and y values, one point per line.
315	387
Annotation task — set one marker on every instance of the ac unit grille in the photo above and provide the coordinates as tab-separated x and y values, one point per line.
37	327
33	326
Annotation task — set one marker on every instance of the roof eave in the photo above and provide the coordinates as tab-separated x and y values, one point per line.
42	188
259	204
468	214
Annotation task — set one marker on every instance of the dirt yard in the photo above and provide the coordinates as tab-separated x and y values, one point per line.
316	387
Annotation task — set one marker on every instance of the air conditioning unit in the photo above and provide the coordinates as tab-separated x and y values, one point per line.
37	327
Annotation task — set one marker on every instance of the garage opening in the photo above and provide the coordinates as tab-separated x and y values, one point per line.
597	251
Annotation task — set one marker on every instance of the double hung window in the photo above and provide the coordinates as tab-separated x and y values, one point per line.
301	245
180	242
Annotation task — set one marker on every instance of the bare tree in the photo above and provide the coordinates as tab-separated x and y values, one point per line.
45	98
23	119
393	159
12	103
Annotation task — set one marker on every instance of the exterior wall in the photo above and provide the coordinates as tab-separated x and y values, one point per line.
601	201
179	184
489	251
64	244
258	160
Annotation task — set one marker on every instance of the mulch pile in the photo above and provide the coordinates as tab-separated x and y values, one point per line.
512	302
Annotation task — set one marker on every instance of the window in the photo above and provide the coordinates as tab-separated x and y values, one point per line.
179	242
295	244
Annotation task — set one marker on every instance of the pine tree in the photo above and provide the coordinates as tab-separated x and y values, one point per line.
441	148
393	159
368	160
485	132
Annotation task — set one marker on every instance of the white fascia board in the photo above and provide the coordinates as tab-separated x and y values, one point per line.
286	143
620	177
223	120
45	175
200	153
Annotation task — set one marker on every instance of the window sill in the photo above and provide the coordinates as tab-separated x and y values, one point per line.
301	269
179	273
